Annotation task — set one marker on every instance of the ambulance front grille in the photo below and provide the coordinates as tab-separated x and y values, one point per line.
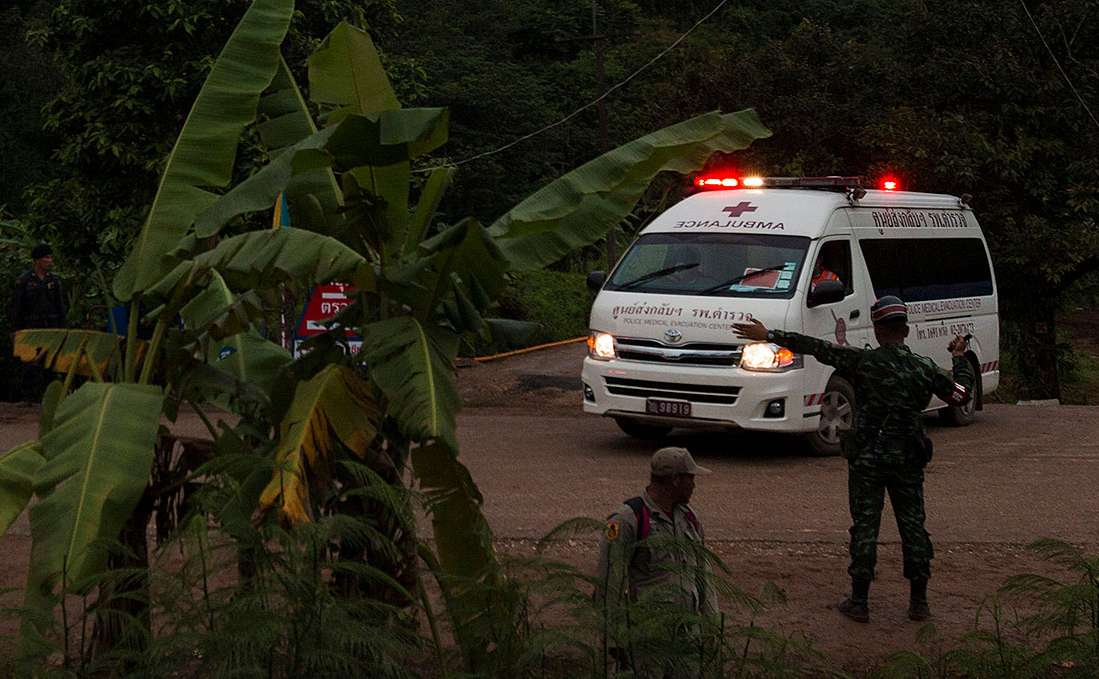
694	353
695	393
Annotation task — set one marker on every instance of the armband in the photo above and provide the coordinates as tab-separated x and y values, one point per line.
959	396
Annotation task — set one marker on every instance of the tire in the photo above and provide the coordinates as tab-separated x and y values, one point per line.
962	416
837	414
641	431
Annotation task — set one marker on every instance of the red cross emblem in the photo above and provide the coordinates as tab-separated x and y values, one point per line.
739	209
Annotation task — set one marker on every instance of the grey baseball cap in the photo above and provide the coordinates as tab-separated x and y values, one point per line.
673	460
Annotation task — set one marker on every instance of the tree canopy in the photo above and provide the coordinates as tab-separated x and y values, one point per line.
986	98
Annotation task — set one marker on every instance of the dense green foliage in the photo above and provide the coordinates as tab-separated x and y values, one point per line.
558	302
955	98
102	465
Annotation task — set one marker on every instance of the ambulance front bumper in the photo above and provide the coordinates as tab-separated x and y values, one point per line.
698	397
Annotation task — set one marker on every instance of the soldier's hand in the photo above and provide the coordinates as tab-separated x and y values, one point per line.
958	345
754	331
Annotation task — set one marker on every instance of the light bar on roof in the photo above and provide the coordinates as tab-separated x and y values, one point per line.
726	182
716	182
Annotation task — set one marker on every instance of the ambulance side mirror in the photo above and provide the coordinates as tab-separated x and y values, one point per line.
596	279
827	292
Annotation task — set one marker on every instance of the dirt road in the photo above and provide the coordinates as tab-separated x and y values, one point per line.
773	514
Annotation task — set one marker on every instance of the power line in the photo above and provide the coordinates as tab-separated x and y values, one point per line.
1058	64
588	105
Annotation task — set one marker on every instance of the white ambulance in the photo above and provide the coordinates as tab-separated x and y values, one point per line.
804	254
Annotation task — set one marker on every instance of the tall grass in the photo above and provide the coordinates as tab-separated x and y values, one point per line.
265	601
1058	638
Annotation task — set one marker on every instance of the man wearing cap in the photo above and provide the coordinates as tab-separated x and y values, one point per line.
638	553
886	451
37	300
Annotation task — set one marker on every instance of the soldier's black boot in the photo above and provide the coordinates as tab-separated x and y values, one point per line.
918	608
856	606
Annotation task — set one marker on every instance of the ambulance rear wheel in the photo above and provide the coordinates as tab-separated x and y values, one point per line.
837	415
960	416
641	431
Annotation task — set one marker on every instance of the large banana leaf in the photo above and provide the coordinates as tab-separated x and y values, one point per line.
463	541
466	249
377	147
204	153
345	70
260	190
245	355
412	364
332	408
430	197
291	122
56	349
581	207
101	447
388	137
17	469
262	258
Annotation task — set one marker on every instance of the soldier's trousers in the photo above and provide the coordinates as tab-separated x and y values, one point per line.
869	477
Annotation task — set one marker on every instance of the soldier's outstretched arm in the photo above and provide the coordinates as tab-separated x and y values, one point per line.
843	358
955	388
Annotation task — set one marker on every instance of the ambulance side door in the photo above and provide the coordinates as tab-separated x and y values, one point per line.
845	321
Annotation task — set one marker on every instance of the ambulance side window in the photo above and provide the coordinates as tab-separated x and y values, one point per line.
920	269
835	257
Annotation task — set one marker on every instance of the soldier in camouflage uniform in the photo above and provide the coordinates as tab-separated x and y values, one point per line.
887	449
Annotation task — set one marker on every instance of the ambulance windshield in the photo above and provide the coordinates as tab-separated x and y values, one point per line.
714	264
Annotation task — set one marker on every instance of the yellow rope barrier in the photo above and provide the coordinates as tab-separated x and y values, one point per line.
523	351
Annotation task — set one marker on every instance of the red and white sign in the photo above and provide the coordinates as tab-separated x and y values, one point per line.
325	302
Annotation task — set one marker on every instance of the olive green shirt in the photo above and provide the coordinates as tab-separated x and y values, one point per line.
677	576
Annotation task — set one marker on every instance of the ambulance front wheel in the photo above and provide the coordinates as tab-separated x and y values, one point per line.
960	416
641	431
837	415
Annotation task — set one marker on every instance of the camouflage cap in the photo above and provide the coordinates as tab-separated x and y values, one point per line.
888	308
673	460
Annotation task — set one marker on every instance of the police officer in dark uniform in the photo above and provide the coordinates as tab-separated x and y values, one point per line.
36	299
888	448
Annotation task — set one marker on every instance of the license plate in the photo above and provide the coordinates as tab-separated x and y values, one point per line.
656	406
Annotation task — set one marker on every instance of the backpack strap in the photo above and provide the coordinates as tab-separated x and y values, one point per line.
641	513
689	513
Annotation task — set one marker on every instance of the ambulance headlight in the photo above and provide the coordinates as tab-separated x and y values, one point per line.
766	357
601	346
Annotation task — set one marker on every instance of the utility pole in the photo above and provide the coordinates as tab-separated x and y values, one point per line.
599	43
604	138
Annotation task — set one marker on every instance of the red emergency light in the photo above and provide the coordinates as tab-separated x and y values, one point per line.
716	182
834	182
890	184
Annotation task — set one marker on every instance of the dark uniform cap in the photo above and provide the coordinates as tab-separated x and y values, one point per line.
672	460
888	308
41	250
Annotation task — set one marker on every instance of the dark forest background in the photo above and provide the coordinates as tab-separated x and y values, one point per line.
994	99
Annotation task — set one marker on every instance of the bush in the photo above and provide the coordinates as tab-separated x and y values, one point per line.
559	303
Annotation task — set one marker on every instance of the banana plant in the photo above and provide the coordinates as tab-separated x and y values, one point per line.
422	289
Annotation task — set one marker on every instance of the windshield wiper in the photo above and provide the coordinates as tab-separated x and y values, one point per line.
656	274
732	281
